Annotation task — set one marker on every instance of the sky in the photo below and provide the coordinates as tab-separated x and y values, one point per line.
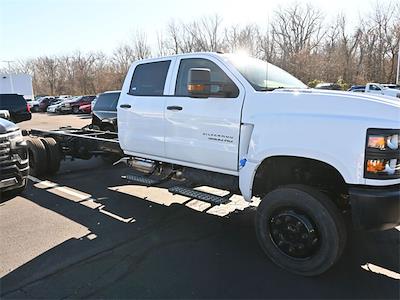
30	28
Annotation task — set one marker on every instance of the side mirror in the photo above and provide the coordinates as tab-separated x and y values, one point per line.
199	83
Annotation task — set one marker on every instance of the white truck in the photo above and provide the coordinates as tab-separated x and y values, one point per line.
18	83
379	89
243	125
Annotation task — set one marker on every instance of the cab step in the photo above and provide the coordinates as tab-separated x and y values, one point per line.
203	196
141	179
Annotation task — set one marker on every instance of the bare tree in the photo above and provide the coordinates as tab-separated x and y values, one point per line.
47	67
140	46
297	39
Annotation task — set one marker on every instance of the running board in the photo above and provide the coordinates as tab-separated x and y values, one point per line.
203	196
141	179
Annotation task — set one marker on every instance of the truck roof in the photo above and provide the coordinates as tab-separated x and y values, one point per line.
215	54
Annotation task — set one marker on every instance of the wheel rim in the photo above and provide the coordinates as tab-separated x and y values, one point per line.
294	233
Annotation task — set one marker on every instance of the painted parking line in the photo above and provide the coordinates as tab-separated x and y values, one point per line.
76	196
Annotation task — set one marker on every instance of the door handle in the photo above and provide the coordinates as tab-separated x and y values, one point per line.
174	107
125	106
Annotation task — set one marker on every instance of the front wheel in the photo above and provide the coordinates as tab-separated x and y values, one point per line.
300	229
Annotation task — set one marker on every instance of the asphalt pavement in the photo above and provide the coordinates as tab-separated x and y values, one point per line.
88	233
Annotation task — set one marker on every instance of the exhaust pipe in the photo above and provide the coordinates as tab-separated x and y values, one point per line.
142	165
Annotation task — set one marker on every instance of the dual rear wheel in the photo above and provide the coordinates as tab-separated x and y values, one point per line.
44	156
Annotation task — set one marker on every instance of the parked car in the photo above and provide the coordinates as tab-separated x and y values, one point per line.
33	104
46	102
17	107
86	109
14	161
392	86
377	89
55	107
74	104
328	86
64	97
104	113
357	88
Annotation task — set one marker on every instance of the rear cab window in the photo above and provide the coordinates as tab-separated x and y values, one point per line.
8	101
149	79
107	102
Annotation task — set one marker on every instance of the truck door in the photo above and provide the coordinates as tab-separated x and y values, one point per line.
375	89
141	110
204	131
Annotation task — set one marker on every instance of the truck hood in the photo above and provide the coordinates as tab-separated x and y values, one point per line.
7	126
382	109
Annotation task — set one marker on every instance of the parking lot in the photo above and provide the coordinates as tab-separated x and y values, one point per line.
88	233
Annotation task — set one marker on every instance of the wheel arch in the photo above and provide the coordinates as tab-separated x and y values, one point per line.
278	170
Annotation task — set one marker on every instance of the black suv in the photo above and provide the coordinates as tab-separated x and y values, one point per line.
14	161
17	107
104	113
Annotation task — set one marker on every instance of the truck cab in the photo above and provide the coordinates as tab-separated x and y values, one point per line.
379	89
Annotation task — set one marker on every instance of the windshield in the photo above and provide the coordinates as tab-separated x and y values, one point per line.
263	76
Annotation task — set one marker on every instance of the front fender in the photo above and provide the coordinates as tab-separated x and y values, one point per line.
247	173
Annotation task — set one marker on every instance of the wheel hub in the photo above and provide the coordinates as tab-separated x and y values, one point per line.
294	233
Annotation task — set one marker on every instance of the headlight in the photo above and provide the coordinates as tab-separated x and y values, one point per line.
383	141
382	154
15	135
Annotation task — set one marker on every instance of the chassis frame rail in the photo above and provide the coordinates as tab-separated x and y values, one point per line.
82	143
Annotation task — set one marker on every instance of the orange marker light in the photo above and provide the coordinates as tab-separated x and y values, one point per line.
196	87
375	166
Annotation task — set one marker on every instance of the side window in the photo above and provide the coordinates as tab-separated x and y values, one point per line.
218	78
20	101
115	101
107	102
149	79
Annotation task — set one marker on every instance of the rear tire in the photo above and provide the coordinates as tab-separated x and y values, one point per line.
37	157
53	155
75	109
300	229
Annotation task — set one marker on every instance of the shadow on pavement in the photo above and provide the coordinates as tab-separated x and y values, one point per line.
142	249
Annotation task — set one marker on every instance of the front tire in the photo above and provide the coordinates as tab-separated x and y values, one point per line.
300	229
